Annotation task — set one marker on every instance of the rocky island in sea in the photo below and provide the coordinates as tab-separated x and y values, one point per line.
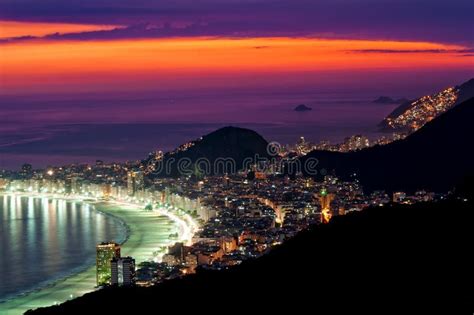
302	108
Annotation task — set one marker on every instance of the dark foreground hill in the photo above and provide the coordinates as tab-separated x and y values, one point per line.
466	91
226	150
435	158
384	259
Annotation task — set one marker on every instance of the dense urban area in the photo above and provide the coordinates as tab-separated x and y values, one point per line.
235	218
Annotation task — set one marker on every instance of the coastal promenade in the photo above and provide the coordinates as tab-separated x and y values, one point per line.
147	233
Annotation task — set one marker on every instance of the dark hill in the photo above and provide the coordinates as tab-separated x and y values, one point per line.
226	144
435	157
401	258
466	91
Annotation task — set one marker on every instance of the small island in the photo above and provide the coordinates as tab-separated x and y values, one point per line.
389	100
302	108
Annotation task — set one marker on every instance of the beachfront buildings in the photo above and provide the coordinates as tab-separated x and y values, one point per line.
106	252
123	271
135	182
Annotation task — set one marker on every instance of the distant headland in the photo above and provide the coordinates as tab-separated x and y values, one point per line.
389	100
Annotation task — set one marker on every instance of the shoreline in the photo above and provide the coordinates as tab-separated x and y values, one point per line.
120	220
145	232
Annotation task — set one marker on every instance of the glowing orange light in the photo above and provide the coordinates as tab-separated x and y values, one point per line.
33	63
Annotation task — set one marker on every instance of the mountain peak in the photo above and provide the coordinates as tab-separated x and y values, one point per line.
230	129
230	143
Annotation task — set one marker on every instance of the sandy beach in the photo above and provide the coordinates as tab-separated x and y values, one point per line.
147	232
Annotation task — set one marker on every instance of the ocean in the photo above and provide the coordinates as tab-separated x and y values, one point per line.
56	130
43	240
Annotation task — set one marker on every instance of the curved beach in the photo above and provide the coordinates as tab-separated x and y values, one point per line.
147	232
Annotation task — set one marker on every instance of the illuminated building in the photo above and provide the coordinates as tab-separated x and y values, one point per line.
3	183
135	182
73	185
191	262
106	190
122	271
399	196
325	200
354	143
105	253
26	170
171	260
228	244
303	147
176	255
154	158
76	184
323	145
342	211
163	196
209	256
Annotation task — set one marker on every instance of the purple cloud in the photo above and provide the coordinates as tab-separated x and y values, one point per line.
429	20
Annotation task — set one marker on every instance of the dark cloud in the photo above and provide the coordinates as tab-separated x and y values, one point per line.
463	52
142	31
467	51
430	20
405	51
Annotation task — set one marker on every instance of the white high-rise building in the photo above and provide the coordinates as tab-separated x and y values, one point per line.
123	271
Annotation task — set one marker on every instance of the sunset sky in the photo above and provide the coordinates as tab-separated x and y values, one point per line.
114	79
61	46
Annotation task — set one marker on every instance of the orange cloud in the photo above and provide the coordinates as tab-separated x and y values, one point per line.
37	62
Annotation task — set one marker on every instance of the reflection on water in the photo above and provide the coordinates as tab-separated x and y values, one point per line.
42	240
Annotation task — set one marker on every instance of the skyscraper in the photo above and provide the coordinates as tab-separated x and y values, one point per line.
105	253
135	182
123	271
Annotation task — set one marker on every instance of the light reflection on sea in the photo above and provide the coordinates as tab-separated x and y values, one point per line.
43	240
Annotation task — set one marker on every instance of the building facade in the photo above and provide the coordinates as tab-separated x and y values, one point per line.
123	271
106	252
